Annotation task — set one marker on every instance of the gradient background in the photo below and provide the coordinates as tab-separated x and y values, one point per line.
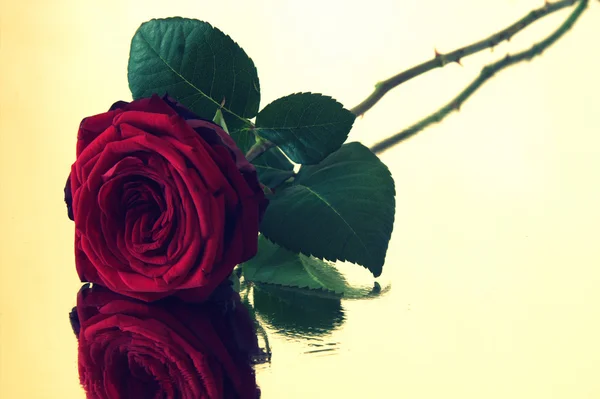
494	258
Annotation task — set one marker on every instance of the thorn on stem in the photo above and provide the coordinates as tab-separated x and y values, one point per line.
223	102
441	57
458	62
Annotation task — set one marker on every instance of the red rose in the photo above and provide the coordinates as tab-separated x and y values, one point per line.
167	349
163	202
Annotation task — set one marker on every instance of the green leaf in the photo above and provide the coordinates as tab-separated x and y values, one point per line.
235	279
273	167
292	313
297	294
198	65
340	209
220	120
275	265
269	173
244	139
306	126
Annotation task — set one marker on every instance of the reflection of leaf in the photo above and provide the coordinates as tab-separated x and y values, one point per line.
265	356
297	294
292	312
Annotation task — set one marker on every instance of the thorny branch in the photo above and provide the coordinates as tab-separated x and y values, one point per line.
440	60
486	73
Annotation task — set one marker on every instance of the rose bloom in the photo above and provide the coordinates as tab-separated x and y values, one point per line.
166	349
163	202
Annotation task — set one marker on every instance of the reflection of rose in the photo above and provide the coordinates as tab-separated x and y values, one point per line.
164	203
166	349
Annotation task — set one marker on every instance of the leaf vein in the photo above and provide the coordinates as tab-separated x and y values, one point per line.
180	76
337	213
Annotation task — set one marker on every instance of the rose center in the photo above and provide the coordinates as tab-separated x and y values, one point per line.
147	219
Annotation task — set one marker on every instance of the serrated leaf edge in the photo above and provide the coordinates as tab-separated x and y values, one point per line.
200	92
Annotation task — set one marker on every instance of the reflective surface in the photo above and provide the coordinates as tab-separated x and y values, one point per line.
168	348
494	256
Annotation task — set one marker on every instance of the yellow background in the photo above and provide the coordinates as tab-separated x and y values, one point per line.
494	259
